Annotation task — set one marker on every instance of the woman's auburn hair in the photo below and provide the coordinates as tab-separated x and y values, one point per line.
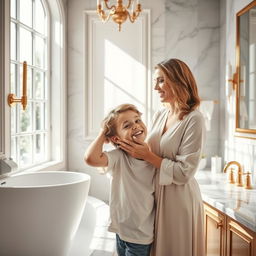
109	122
183	86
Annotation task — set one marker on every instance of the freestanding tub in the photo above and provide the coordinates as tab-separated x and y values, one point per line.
40	212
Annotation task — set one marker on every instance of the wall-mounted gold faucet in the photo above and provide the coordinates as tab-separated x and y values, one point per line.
239	181
23	100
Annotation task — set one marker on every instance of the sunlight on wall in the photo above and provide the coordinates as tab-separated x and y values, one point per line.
124	81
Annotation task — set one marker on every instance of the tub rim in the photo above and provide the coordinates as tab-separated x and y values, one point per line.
84	177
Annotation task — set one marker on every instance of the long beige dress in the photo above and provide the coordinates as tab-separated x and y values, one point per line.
179	207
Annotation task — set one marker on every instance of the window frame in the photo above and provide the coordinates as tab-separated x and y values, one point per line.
17	21
4	82
1	77
57	76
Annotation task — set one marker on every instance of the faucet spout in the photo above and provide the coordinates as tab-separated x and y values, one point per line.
233	163
239	182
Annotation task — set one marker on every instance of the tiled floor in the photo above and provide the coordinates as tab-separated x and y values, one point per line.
92	237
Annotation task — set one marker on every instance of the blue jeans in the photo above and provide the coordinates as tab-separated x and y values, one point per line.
131	249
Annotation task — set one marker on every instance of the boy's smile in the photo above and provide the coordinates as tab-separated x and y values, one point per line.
129	125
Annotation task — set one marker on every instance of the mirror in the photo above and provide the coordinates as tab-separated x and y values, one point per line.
246	69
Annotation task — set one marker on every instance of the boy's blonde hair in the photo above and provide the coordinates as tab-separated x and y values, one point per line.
109	122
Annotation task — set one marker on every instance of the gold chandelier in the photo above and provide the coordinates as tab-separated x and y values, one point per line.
119	12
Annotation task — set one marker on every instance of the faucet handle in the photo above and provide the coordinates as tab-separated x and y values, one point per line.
247	184
239	181
231	179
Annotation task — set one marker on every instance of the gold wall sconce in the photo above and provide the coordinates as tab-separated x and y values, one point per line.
231	80
23	100
119	12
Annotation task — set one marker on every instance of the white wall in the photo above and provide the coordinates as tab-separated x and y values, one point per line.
188	30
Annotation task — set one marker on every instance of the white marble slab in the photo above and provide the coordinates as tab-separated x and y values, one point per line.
236	202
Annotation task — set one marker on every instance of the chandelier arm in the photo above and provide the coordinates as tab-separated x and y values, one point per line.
134	16
129	4
105	17
109	7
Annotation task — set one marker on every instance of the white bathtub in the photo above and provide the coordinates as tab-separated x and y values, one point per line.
40	212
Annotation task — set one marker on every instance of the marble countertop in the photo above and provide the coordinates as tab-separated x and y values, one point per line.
237	202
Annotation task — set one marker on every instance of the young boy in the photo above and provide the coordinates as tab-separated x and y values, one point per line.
132	188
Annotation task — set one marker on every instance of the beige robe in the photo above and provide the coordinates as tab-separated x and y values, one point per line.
179	206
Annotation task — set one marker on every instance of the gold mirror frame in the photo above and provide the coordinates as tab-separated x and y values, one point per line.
238	69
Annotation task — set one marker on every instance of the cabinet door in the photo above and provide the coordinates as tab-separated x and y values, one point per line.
240	241
214	231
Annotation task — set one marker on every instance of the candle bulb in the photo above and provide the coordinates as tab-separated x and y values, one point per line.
24	92
132	7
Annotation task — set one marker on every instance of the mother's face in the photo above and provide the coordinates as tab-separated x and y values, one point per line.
162	86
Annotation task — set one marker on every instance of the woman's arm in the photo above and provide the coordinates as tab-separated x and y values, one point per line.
94	154
185	164
180	170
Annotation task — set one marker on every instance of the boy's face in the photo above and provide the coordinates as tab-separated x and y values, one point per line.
129	125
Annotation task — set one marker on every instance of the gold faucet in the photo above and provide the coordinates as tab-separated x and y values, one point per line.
239	182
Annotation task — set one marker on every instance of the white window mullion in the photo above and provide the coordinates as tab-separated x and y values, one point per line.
17	149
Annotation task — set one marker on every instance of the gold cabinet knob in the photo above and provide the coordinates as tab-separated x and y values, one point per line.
219	224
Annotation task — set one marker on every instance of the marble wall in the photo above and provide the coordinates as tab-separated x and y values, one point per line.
232	148
185	29
192	34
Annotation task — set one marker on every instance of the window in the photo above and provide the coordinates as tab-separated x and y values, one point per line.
30	131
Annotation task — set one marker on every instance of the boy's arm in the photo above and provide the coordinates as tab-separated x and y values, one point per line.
94	155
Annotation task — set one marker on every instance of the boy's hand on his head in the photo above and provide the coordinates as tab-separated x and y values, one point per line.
102	134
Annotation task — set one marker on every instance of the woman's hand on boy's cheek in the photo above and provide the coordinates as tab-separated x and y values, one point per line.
135	149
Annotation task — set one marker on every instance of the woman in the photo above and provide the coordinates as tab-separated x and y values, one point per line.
174	147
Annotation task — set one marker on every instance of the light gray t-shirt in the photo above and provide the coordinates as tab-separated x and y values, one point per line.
132	197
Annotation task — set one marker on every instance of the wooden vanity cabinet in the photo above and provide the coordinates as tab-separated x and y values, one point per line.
240	240
225	236
214	231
